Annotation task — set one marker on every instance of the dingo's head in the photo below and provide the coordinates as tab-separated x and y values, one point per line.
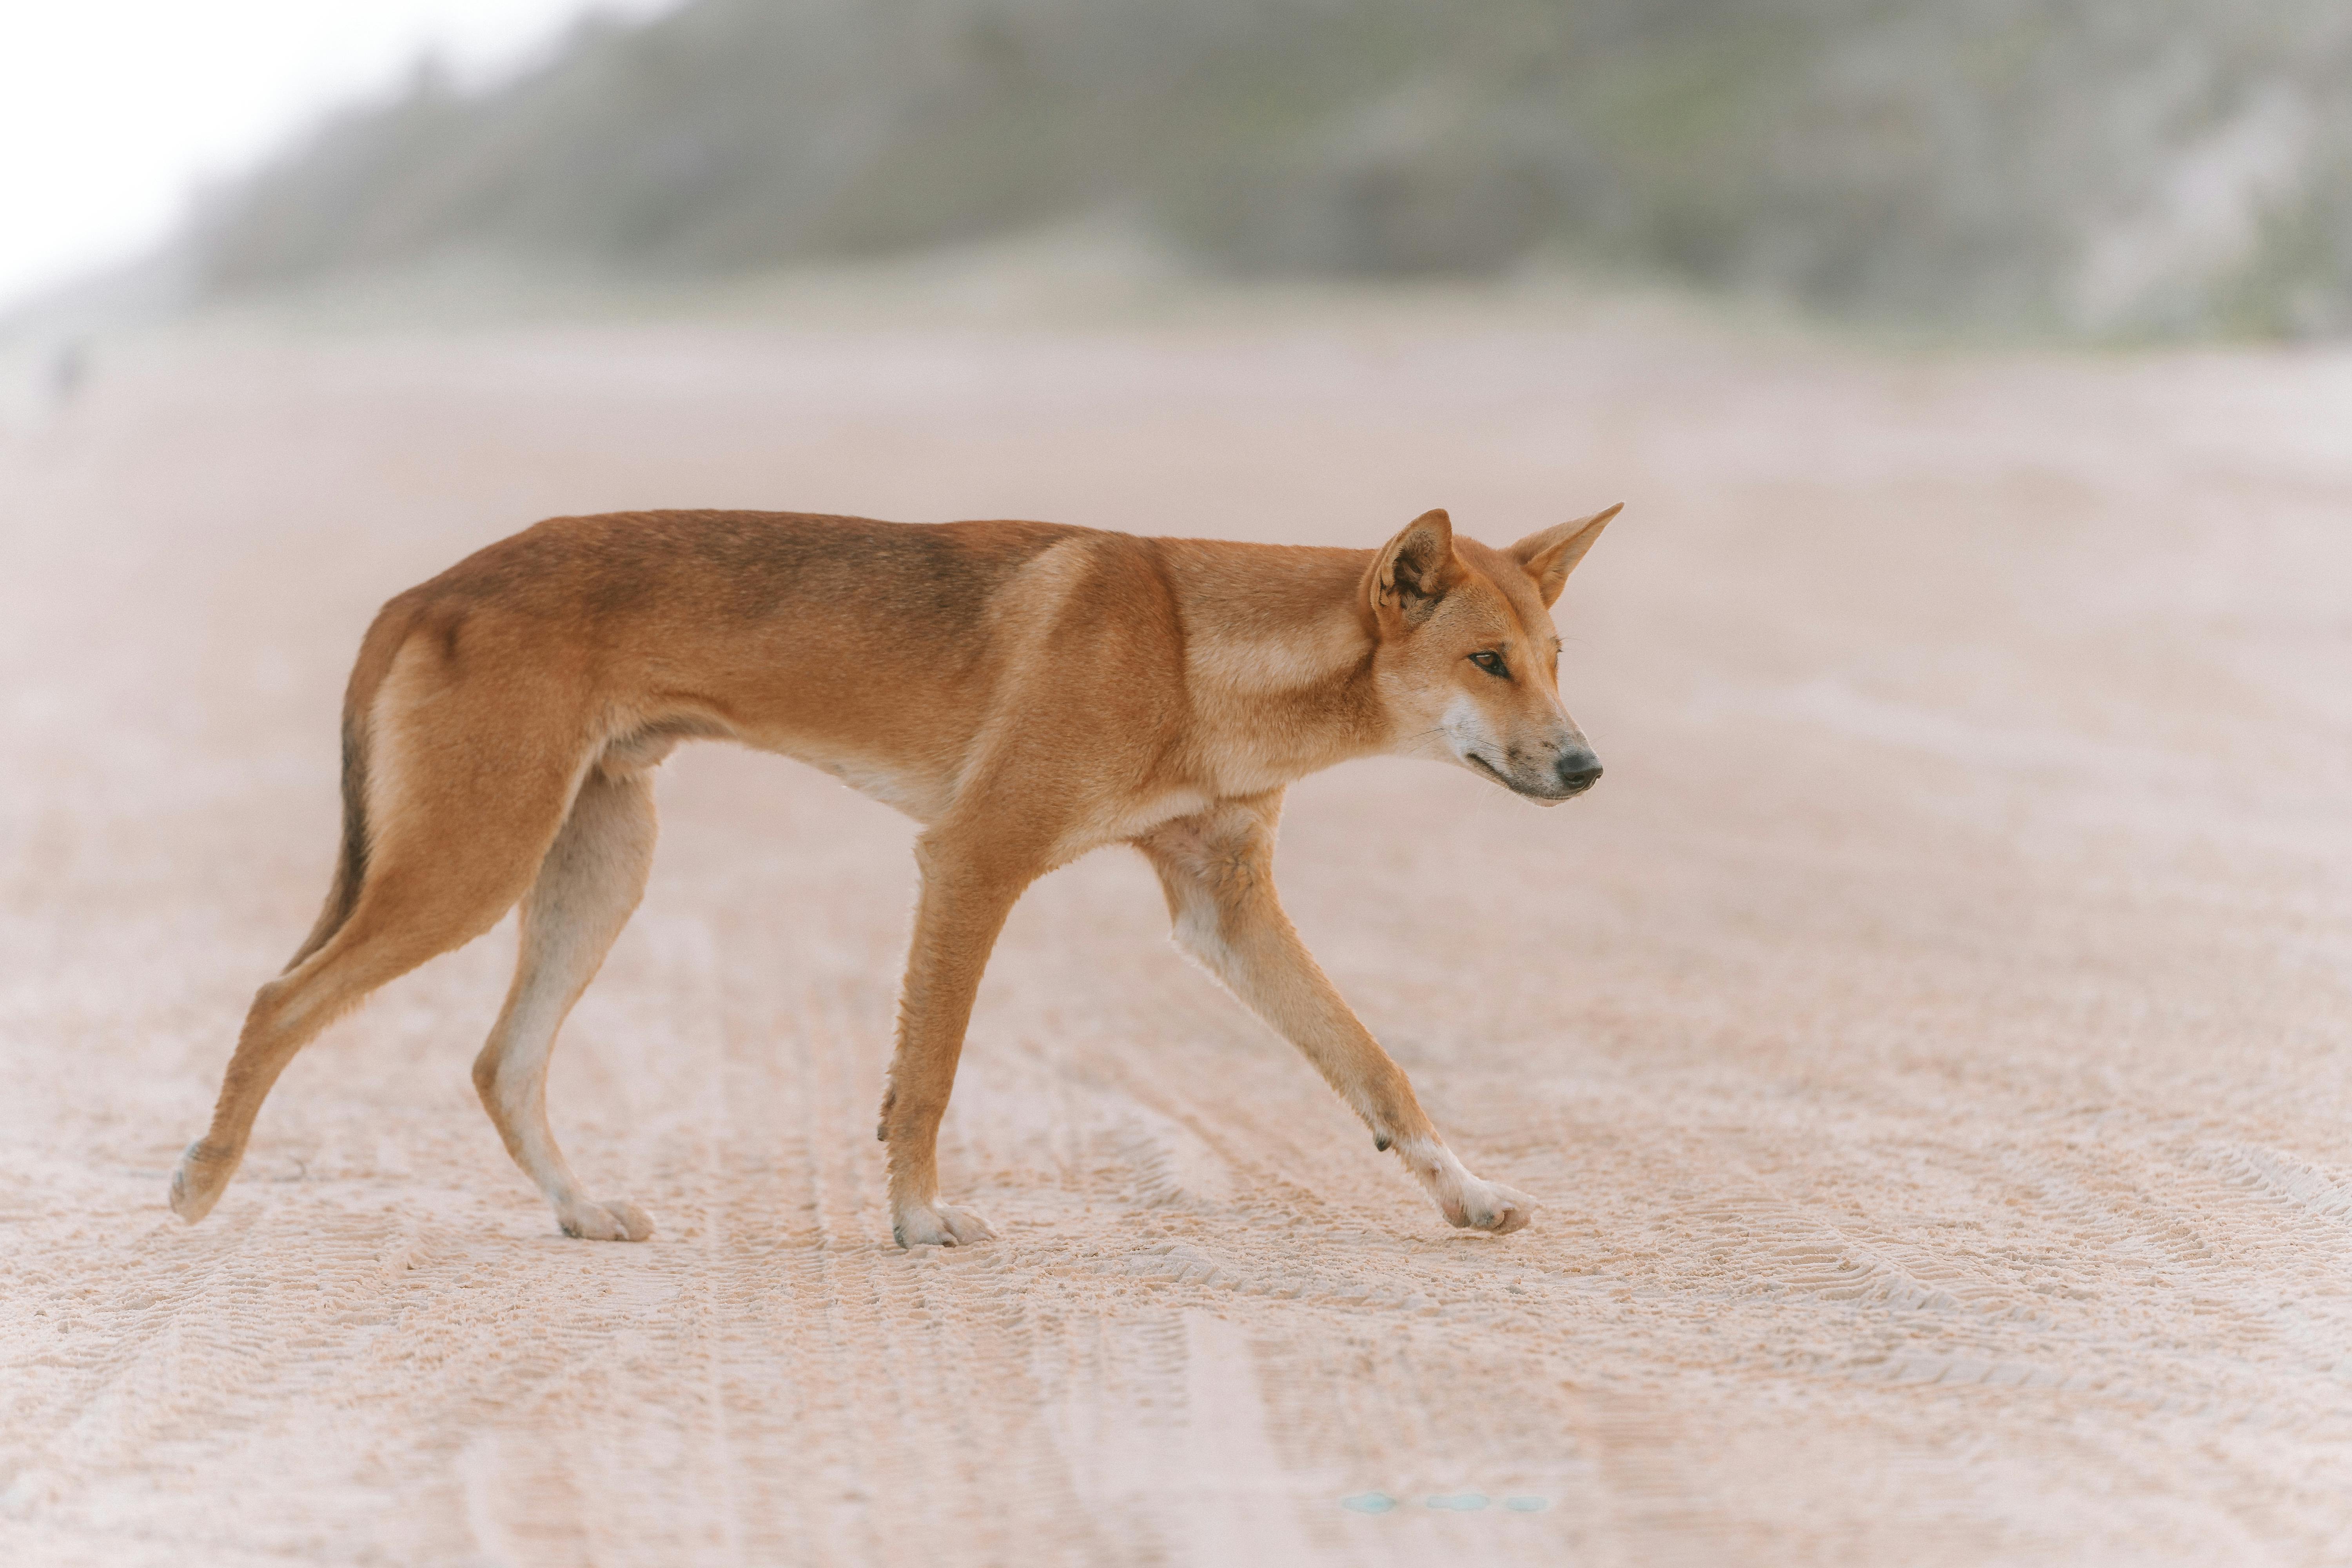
1468	662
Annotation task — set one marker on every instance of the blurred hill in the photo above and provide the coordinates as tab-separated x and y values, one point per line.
2158	168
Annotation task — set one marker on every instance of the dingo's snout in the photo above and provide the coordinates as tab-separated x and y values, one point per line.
1571	770
1578	770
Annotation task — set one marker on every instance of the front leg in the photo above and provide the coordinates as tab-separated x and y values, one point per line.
967	892
1217	868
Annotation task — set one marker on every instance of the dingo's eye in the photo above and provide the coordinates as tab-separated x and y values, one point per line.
1492	663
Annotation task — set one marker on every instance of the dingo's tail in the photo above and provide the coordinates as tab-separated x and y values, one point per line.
376	650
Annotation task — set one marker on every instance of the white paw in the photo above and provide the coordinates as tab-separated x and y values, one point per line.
615	1219
937	1224
1490	1206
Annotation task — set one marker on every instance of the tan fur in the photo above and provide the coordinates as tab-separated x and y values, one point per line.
1026	691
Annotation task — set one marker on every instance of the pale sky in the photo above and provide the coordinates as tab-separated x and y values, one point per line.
111	110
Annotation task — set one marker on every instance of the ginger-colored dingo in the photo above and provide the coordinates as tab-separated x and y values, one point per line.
1026	691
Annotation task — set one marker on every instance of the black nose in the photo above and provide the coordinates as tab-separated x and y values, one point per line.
1578	770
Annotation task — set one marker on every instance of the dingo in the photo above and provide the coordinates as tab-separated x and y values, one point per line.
1026	691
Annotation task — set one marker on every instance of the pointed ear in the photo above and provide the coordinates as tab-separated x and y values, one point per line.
1549	556
1415	570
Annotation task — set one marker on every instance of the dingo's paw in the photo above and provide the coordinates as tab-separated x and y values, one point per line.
937	1224
615	1219
197	1181
1490	1206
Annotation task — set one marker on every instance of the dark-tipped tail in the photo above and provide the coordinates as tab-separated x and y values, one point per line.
351	861
376	651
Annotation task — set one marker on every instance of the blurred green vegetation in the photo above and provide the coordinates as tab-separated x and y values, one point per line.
2123	170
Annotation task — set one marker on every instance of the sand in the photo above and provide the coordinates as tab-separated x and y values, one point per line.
1929	1043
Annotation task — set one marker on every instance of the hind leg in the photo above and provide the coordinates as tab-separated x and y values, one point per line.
587	887
399	923
466	802
287	1014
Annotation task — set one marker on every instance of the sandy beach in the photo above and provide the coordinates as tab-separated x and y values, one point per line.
1931	1043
